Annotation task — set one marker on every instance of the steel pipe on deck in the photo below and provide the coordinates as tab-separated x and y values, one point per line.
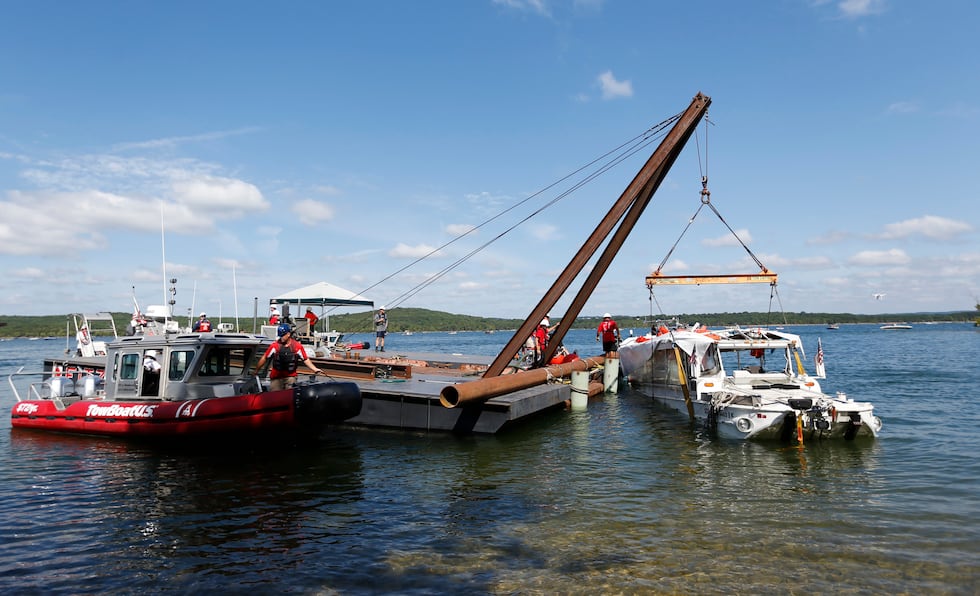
487	387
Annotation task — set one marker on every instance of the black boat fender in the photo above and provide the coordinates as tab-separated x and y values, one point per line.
319	403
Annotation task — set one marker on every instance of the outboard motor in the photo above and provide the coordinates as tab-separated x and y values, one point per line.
320	403
61	386
90	385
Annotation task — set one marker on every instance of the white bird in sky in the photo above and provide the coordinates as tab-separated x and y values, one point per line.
878	296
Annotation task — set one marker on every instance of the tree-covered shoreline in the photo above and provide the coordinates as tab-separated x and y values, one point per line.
421	320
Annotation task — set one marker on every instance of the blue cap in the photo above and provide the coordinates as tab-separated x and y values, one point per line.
283	330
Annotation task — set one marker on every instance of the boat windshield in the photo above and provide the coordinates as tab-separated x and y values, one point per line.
225	361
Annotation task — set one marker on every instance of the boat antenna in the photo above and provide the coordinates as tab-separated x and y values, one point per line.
163	255
234	284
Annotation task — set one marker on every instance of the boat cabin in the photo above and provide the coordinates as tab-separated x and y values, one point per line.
746	356
192	366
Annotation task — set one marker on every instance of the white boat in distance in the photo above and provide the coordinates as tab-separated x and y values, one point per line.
893	326
745	383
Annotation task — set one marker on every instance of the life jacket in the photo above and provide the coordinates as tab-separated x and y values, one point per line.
205	326
286	359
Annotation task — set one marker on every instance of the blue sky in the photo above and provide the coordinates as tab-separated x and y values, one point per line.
290	143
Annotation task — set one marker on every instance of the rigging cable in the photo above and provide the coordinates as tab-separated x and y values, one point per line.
638	143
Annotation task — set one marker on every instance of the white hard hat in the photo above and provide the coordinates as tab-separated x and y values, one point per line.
606	316
151	354
272	308
204	314
382	308
544	322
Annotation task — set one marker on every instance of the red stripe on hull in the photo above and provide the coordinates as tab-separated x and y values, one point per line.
255	412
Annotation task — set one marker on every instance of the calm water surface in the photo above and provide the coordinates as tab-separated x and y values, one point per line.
623	498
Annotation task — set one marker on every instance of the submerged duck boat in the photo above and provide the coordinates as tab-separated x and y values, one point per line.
207	385
745	383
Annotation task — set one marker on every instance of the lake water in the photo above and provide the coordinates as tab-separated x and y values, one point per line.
625	497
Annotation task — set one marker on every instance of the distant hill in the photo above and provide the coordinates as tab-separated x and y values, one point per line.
421	319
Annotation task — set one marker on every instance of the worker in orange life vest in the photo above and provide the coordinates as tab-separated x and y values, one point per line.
202	324
285	354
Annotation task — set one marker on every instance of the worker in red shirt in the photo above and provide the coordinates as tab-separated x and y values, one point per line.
540	336
285	354
608	331
312	318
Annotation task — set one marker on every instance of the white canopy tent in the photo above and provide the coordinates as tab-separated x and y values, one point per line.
320	294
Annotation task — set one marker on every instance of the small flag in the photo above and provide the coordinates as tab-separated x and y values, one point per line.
818	361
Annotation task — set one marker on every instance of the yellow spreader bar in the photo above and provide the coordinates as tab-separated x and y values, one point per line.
656	279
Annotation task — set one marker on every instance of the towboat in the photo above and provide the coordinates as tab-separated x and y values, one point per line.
895	326
206	385
744	383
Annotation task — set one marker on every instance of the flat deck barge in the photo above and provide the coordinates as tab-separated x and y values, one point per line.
401	390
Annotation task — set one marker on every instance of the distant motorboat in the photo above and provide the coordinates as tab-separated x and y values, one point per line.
894	326
833	326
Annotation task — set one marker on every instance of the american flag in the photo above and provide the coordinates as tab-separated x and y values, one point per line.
818	360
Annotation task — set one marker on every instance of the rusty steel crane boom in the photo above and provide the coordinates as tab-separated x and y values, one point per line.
627	208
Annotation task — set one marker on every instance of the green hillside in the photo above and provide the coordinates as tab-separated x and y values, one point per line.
421	319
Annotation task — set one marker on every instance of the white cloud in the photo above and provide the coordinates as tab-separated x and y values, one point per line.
171	142
675	266
728	239
459	229
115	194
611	88
545	232
213	193
813	263
875	258
404	251
311	213
902	107
473	285
828	238
860	8
930	226
28	273
328	190
535	6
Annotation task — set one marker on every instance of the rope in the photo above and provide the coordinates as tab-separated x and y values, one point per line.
614	157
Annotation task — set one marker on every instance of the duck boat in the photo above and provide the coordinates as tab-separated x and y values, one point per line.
744	383
207	385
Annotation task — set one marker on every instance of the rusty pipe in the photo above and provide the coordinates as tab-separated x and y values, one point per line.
487	387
